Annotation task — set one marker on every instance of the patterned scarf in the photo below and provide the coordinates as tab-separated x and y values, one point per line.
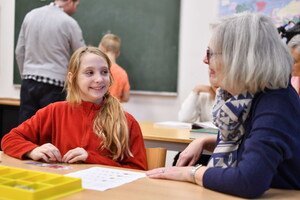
229	115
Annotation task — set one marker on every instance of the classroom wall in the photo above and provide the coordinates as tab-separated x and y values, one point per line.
193	39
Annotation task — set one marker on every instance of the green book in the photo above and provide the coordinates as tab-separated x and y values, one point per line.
196	133
205	130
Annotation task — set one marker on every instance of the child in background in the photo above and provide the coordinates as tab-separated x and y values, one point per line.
110	44
89	127
197	107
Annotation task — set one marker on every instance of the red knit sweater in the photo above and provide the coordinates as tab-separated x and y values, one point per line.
68	127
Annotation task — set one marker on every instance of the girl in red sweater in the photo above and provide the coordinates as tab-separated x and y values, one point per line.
90	126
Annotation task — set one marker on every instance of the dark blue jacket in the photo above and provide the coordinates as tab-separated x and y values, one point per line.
269	155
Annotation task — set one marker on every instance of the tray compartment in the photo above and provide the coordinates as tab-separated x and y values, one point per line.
21	174
64	183
33	185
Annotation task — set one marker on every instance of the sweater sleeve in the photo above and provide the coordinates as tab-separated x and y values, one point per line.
138	160
76	37
189	109
20	49
269	142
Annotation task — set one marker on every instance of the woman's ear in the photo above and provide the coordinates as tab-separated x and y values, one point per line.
69	77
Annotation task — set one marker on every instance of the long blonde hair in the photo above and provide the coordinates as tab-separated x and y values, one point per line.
110	123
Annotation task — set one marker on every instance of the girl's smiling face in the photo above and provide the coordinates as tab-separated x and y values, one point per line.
93	78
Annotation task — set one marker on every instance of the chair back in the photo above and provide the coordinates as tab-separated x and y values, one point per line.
156	157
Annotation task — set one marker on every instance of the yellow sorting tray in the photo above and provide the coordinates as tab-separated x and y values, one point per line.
24	184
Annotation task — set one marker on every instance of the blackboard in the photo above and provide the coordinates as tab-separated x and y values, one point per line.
149	30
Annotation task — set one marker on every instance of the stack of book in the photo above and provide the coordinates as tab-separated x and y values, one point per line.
197	129
173	124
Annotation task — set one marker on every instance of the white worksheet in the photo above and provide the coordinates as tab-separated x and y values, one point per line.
101	179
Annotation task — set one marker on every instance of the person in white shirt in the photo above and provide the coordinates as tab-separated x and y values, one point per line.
197	107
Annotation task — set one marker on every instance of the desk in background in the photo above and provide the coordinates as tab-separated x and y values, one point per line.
145	188
174	139
9	115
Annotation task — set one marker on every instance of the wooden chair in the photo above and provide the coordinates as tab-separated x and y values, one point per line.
156	157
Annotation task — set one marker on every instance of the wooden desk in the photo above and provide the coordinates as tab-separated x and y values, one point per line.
175	139
9	101
145	188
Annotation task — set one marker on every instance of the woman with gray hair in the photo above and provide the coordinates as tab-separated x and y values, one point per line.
294	46
257	112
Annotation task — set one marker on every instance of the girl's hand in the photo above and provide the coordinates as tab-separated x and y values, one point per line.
202	88
75	155
47	152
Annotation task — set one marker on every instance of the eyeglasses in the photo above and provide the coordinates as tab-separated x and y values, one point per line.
209	54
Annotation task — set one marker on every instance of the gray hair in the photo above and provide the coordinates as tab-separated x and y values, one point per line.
295	43
253	56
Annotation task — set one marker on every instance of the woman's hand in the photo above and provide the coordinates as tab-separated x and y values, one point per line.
47	152
171	173
193	151
75	155
178	174
191	154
